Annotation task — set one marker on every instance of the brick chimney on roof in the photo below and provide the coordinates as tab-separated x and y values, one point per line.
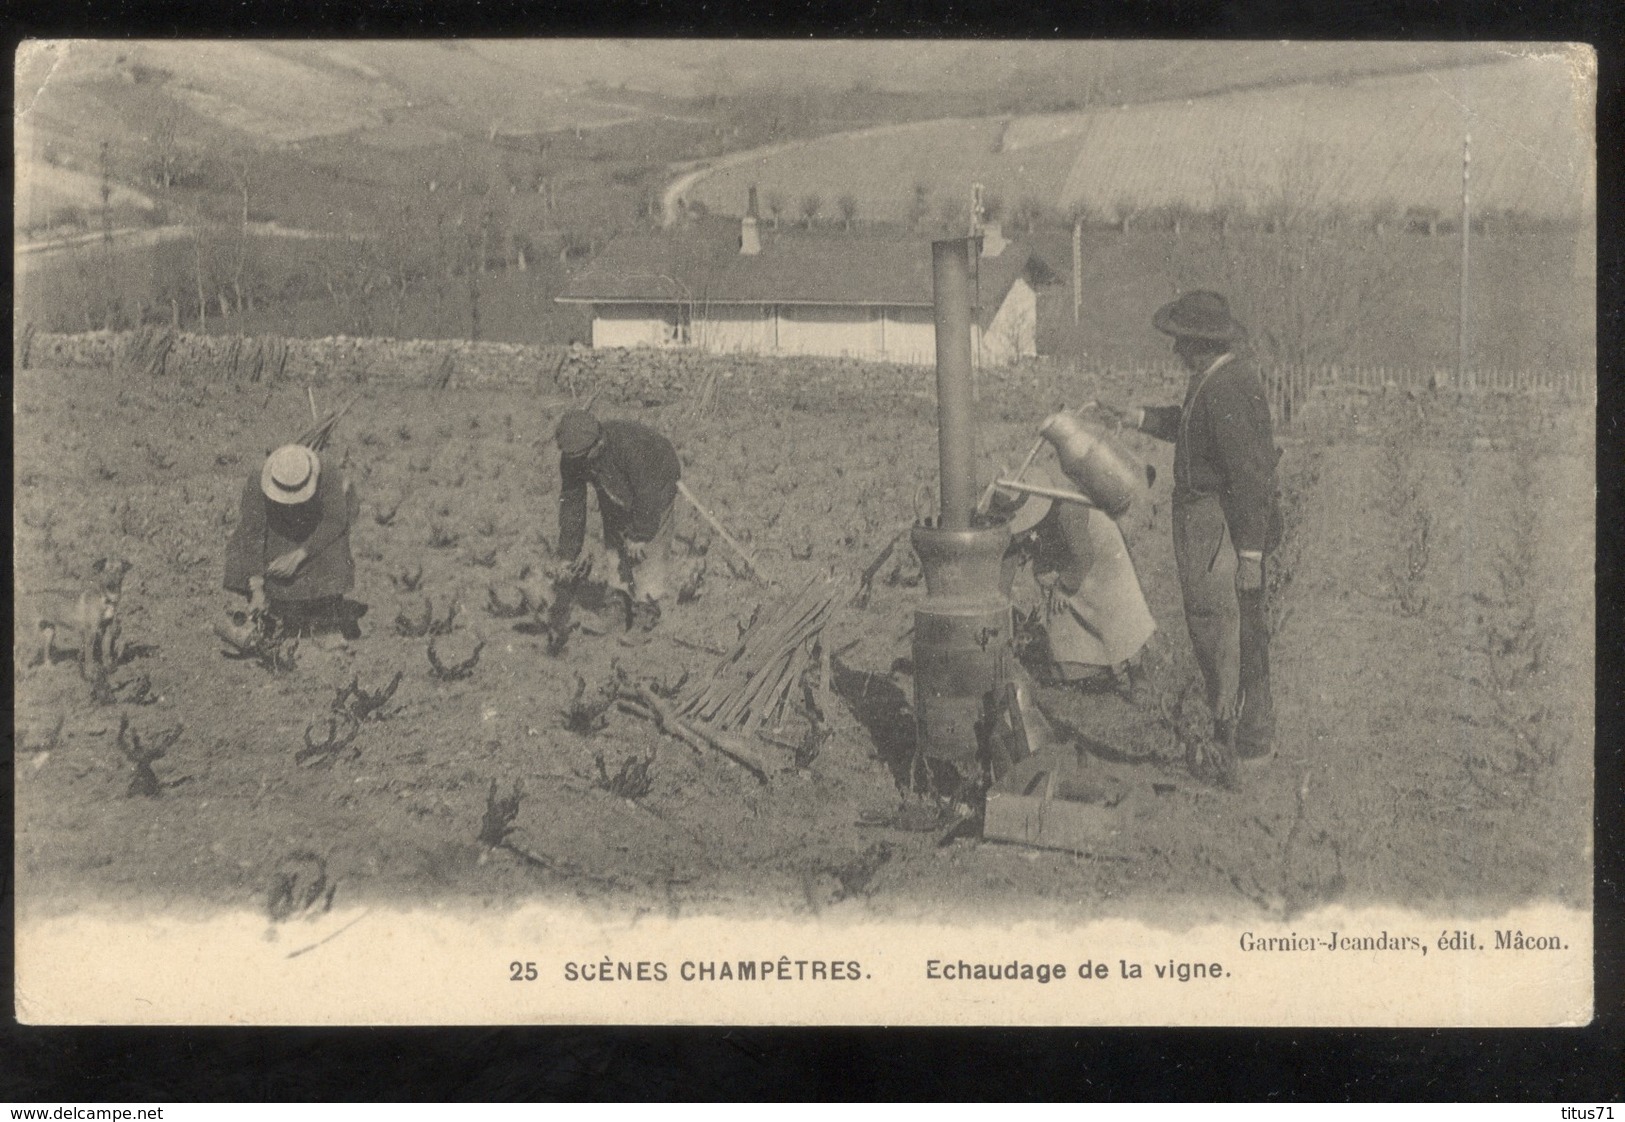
750	239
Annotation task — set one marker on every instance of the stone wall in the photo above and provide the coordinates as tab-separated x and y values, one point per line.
256	358
624	376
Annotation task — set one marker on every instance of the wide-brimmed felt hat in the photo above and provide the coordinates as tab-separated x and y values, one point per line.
1021	510
577	432
290	474
1199	315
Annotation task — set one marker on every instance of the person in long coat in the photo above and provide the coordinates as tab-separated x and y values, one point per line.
1093	610
1226	513
290	554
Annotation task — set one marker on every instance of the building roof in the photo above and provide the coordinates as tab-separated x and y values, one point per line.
702	264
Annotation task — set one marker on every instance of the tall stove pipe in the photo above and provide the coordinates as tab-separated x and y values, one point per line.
962	640
956	433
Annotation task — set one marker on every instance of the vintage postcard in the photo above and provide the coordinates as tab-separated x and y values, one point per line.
694	532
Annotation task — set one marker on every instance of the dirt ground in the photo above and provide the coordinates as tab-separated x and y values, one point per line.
1433	667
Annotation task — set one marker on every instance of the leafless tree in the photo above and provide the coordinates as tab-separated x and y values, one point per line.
920	205
1027	213
810	206
1307	281
242	178
1126	208
775	206
165	147
848	205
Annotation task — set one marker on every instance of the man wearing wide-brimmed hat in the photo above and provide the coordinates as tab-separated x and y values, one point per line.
1226	514
290	553
634	472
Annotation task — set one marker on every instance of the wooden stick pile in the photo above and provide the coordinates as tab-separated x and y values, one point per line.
315	438
753	682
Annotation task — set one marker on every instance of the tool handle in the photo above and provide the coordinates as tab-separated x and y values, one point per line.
711	520
1046	492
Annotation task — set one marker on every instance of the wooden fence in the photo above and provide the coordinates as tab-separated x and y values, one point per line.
1296	392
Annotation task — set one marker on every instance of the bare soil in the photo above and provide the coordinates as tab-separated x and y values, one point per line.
1433	684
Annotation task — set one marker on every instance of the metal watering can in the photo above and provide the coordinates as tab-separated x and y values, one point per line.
1105	475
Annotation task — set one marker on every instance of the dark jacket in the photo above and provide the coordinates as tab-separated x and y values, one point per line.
267	530
634	472
1227	449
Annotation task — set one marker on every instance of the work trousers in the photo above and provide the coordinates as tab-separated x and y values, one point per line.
645	579
1229	630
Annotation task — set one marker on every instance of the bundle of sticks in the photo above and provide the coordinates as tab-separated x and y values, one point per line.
316	437
753	682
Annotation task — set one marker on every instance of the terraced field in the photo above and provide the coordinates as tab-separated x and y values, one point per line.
1360	143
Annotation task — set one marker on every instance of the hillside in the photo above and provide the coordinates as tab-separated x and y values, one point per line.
1356	143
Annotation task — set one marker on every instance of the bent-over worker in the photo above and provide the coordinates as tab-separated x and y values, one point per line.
634	472
290	553
1095	616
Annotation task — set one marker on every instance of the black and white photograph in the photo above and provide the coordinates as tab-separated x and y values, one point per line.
677	531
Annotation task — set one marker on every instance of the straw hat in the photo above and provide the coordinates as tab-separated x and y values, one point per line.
1021	510
289	475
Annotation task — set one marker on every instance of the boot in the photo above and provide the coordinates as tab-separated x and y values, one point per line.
624	607
642	617
645	615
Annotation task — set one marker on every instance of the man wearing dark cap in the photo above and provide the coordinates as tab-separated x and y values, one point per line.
1226	515
634	471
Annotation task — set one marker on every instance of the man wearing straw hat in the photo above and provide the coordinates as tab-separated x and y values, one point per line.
634	471
1226	516
290	554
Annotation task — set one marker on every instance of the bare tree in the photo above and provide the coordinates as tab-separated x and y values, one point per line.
776	204
242	178
810	206
164	147
920	205
1126	208
105	163
848	205
1027	213
1306	283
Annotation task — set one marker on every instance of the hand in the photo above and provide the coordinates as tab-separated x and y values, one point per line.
1249	573
635	551
569	572
286	565
1118	416
256	601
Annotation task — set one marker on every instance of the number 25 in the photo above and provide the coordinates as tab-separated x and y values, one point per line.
521	971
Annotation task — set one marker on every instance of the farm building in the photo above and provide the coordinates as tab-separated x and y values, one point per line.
730	287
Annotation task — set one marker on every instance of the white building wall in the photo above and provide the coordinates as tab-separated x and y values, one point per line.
1013	332
906	335
911	335
735	329
632	325
830	331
